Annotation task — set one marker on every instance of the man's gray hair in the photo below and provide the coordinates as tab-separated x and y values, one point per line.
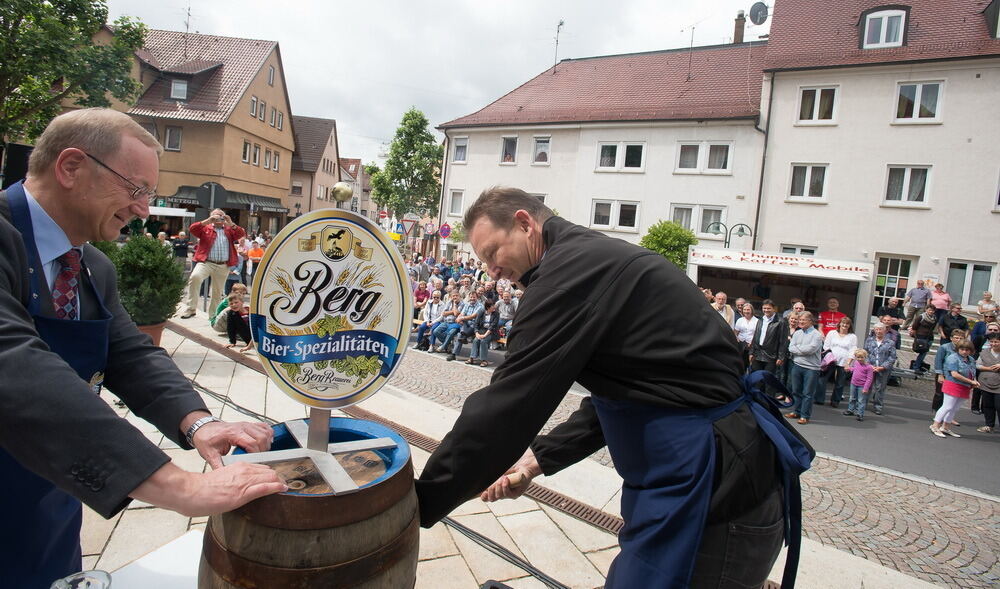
97	131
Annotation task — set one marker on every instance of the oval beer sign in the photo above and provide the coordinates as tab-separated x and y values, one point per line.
331	309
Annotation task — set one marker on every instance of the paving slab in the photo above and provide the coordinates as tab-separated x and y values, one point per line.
140	531
484	564
96	532
584	536
449	572
436	542
549	550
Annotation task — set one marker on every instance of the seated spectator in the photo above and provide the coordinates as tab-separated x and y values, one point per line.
466	320
489	292
446	325
238	322
507	306
951	321
420	297
430	317
959	379
862	377
486	329
219	318
465	287
882	355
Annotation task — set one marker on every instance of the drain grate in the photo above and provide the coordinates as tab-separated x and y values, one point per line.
567	505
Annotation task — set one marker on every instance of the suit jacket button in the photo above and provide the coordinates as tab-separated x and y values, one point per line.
96	486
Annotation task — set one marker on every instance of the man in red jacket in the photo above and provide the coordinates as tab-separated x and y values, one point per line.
213	256
829	320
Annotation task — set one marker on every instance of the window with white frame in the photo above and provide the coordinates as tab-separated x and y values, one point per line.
270	75
455	203
253	106
798	250
918	102
274	163
460	154
256	155
711	220
699	218
267	159
246	152
704	157
260	109
615	215
621	156
172	139
884	28
150	128
178	89
808	182
297	188
274	116
968	280
907	185
682	215
508	150
281	120
541	150
816	105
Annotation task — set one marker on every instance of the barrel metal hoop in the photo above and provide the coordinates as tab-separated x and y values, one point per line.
243	572
289	511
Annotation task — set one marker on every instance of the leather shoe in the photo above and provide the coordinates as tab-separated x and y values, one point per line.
792	415
802	421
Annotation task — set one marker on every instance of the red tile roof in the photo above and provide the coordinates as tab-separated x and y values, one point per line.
351	166
813	33
223	68
723	83
311	137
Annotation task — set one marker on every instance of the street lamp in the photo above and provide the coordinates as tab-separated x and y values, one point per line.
298	209
719	228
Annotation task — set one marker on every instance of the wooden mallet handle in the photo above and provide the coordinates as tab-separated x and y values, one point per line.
515	479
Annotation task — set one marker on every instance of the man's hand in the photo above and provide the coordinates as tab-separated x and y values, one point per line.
214	440
527	467
216	491
779	362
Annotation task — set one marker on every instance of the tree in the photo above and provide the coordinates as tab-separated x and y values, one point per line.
411	179
47	55
670	240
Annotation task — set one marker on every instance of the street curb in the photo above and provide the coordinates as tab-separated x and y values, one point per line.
912	477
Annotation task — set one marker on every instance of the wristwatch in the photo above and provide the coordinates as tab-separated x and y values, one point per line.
194	427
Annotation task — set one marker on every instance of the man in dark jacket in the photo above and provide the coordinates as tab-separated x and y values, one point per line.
667	401
766	349
65	334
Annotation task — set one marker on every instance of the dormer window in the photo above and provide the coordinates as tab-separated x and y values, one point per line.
884	28
178	89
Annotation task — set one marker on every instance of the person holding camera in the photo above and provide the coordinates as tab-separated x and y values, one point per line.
213	256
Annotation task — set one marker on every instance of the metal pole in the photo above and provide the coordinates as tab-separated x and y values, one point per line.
319	429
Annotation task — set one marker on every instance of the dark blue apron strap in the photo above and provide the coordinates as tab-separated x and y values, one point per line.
794	457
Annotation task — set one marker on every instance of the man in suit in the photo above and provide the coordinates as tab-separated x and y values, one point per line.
766	350
65	334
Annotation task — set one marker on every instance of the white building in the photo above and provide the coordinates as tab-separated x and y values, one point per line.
621	142
881	140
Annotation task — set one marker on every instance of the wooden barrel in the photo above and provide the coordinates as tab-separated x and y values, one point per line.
309	538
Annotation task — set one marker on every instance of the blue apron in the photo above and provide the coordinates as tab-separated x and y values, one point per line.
45	520
665	502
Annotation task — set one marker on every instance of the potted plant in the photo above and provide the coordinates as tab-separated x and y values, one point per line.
150	282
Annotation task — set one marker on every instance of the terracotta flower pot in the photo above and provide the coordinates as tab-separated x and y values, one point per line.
154	331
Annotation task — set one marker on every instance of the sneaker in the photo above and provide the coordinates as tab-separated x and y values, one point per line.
985	429
877	411
951	433
848	413
861	418
188	315
977	412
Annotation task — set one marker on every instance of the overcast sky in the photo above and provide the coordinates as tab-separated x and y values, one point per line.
365	63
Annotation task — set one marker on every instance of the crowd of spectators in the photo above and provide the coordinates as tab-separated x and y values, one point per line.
809	353
456	303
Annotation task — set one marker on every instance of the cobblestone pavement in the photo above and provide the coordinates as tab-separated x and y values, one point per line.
938	535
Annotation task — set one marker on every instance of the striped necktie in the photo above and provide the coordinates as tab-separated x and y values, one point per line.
64	293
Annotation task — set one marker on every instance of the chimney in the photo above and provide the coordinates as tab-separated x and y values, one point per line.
741	22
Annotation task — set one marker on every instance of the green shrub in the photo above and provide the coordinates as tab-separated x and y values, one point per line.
109	248
670	240
150	282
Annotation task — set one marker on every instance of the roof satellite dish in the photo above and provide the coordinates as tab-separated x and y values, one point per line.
758	13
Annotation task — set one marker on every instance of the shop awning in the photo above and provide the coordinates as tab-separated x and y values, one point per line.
186	195
169	212
267	204
781	263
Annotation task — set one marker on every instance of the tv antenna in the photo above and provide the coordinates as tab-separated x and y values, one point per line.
187	29
691	46
758	13
555	61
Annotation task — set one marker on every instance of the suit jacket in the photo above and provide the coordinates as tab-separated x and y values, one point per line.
53	423
772	349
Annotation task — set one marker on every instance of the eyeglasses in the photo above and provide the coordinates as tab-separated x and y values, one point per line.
137	190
